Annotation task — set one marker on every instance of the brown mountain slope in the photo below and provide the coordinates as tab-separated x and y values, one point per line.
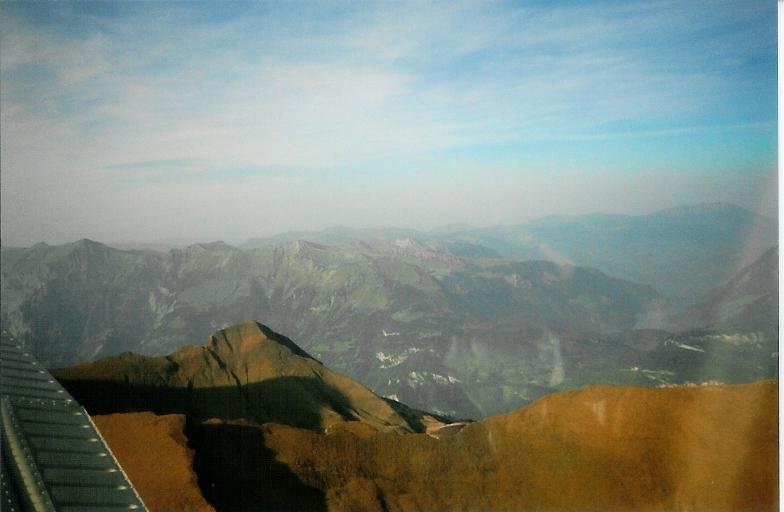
165	481
600	448
245	371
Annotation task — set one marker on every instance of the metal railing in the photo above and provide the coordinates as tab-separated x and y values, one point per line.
53	458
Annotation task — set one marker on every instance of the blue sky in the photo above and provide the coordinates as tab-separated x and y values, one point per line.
151	121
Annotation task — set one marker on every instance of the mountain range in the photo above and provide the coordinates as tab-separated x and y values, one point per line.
446	321
684	252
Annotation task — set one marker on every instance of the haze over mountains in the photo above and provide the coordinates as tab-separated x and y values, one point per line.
747	301
448	322
683	251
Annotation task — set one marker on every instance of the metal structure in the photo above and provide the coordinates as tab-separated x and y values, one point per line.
53	458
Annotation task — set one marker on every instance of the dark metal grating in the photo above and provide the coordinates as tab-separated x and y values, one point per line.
53	458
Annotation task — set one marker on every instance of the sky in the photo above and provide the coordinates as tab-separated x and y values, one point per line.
150	122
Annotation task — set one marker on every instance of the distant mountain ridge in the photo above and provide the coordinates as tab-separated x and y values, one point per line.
447	322
395	315
681	251
748	301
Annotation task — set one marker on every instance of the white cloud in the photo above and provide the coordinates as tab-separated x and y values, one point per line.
392	86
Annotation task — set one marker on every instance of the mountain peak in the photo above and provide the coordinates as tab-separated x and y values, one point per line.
218	245
86	243
708	207
246	371
248	336
306	245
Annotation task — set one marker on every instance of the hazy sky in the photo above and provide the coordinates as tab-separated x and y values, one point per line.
146	122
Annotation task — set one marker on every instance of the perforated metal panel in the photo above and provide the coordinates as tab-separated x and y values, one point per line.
53	458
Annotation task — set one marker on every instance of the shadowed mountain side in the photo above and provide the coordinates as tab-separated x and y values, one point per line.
299	401
237	472
602	448
747	302
244	371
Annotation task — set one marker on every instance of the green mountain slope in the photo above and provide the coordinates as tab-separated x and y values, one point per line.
390	314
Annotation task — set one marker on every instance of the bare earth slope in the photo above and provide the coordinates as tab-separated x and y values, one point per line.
273	429
153	452
601	448
245	371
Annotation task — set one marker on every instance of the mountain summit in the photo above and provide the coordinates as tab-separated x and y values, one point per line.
245	371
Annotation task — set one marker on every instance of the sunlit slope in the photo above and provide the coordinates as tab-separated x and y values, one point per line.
153	451
600	448
273	429
245	371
